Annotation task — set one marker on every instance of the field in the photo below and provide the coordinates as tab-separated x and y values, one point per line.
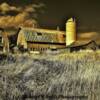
66	76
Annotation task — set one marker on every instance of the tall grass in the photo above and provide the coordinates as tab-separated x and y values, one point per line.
75	74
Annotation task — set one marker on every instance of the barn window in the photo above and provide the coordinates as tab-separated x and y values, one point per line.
39	34
31	49
0	39
41	49
64	36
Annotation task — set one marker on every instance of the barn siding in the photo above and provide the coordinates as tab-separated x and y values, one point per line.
21	40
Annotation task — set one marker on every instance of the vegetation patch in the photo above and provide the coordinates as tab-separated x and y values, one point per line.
50	76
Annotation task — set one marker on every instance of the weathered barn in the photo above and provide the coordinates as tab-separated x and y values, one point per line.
40	39
43	39
35	39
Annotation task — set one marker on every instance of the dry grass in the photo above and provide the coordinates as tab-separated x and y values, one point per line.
63	74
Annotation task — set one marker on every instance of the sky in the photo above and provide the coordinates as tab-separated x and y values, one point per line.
56	12
86	12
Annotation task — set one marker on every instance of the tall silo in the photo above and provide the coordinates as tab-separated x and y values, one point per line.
70	31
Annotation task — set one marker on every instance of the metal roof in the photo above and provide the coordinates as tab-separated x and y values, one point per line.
43	30
39	36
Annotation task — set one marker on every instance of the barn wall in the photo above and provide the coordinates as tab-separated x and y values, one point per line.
5	42
41	47
21	40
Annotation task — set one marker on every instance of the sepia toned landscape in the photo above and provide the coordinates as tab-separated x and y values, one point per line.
49	50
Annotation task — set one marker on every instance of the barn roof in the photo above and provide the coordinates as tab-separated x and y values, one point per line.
85	38
41	35
47	31
45	35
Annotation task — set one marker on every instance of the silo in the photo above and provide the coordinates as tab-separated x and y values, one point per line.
70	31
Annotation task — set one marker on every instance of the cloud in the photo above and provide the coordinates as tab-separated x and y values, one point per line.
15	21
4	7
38	6
29	9
24	17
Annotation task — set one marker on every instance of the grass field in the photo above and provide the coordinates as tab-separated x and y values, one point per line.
36	77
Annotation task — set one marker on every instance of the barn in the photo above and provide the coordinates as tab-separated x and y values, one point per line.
40	39
36	39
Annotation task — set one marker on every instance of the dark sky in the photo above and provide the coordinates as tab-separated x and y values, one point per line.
87	12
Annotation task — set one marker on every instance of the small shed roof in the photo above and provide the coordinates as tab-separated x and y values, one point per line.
85	38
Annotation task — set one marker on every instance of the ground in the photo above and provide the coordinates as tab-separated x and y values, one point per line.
51	76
